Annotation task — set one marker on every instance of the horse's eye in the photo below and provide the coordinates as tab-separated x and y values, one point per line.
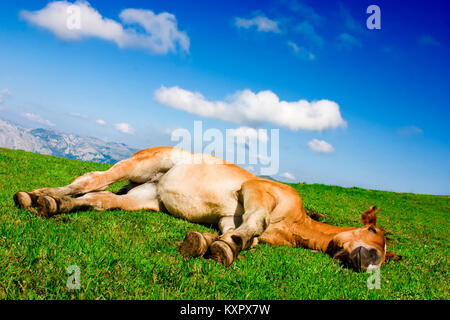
371	228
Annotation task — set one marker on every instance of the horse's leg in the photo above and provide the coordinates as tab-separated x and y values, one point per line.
258	203
92	181
143	166
196	244
142	197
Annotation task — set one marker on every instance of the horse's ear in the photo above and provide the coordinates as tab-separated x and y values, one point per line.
370	216
392	256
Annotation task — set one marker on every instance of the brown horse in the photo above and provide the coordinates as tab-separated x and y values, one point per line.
206	189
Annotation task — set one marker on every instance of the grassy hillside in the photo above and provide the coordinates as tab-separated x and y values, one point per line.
132	255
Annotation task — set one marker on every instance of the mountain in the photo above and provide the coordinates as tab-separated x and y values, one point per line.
267	177
61	144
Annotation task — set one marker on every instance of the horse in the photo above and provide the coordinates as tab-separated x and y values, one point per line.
202	188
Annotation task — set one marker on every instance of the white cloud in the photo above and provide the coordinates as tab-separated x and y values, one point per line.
246	133
347	41
349	21
162	34
301	51
248	107
294	46
309	34
427	40
77	115
3	94
160	31
410	131
287	175
101	122
320	146
124	128
38	119
305	11
262	24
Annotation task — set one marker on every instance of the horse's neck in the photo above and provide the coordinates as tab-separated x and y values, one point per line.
308	233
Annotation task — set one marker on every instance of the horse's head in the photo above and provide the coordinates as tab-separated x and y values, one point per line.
362	248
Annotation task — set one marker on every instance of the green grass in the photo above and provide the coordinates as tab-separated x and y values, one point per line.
132	255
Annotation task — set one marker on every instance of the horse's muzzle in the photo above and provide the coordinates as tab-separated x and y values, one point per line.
361	258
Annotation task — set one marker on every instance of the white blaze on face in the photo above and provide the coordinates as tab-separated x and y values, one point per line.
360	243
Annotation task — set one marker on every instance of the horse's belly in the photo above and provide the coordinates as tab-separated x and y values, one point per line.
194	208
198	198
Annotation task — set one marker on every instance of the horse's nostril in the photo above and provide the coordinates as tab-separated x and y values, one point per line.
369	256
373	253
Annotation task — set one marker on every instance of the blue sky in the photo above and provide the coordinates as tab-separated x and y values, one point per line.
390	86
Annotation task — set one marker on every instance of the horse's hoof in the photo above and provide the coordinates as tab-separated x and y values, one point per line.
47	206
23	200
194	245
221	252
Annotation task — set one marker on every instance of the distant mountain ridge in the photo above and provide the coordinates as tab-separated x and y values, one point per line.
61	144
